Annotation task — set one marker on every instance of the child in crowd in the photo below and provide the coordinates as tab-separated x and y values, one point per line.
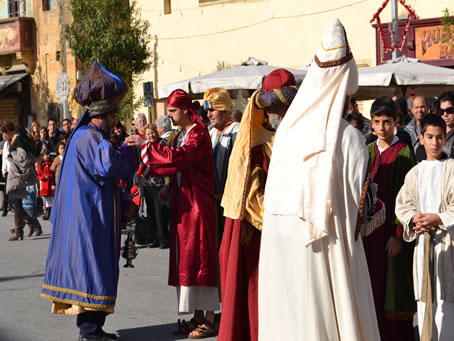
57	161
64	137
46	185
43	142
389	260
425	206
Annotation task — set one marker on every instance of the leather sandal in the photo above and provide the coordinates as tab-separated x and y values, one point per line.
184	328
204	330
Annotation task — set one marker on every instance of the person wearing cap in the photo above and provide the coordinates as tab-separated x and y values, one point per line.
81	274
248	167
313	277
223	132
190	163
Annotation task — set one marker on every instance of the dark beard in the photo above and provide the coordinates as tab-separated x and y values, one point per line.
106	129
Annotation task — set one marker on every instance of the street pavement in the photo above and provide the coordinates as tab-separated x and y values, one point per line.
146	307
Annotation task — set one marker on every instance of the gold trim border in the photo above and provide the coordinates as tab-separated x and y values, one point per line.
82	304
79	293
281	97
333	63
334	48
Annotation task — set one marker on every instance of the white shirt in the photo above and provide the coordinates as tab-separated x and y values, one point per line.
381	150
5	161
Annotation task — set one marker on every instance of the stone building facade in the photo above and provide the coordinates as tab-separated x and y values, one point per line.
192	38
31	60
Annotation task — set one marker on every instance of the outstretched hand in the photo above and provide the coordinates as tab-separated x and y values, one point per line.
135	141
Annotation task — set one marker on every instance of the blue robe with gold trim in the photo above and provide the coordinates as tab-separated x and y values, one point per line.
82	262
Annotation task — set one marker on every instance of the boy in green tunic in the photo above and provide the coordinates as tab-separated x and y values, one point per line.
388	258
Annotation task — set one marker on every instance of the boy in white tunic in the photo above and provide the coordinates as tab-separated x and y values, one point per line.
425	206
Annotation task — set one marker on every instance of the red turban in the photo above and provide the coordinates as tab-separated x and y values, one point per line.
278	79
181	99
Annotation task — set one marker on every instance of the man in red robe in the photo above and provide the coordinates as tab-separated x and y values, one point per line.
192	265
243	205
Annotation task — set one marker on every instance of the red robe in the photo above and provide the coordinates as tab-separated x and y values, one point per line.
239	273
192	209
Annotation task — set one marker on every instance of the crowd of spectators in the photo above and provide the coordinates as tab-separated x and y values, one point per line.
30	165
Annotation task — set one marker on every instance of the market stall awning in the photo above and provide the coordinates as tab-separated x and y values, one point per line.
241	77
404	75
6	81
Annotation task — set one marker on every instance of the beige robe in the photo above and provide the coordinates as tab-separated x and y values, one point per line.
429	188
407	205
319	290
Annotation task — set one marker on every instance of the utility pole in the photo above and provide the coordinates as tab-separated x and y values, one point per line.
395	28
63	83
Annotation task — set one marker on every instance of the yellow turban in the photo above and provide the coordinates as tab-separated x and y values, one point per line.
217	99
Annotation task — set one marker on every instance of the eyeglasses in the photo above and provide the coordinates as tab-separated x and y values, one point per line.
448	111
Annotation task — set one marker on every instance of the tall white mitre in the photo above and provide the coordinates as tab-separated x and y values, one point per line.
301	173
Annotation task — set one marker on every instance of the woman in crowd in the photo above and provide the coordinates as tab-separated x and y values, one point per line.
43	142
118	133
164	129
151	133
22	179
34	131
158	214
140	122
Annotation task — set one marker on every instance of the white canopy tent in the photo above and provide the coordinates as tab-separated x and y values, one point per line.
248	76
402	75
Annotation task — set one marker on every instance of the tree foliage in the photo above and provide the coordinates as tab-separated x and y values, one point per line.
113	32
446	19
448	30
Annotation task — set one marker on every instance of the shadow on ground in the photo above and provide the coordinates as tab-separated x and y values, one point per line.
44	236
15	278
162	332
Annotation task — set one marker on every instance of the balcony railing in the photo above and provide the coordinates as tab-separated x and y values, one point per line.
17	35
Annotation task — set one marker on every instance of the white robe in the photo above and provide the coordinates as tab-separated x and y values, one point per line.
429	183
322	291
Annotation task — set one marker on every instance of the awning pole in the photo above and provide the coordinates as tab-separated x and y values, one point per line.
395	28
63	54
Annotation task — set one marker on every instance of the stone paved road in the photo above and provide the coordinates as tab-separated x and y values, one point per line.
146	306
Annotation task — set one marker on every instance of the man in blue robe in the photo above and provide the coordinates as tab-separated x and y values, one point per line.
82	270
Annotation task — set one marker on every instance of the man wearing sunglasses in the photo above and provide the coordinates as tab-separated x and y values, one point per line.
447	114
